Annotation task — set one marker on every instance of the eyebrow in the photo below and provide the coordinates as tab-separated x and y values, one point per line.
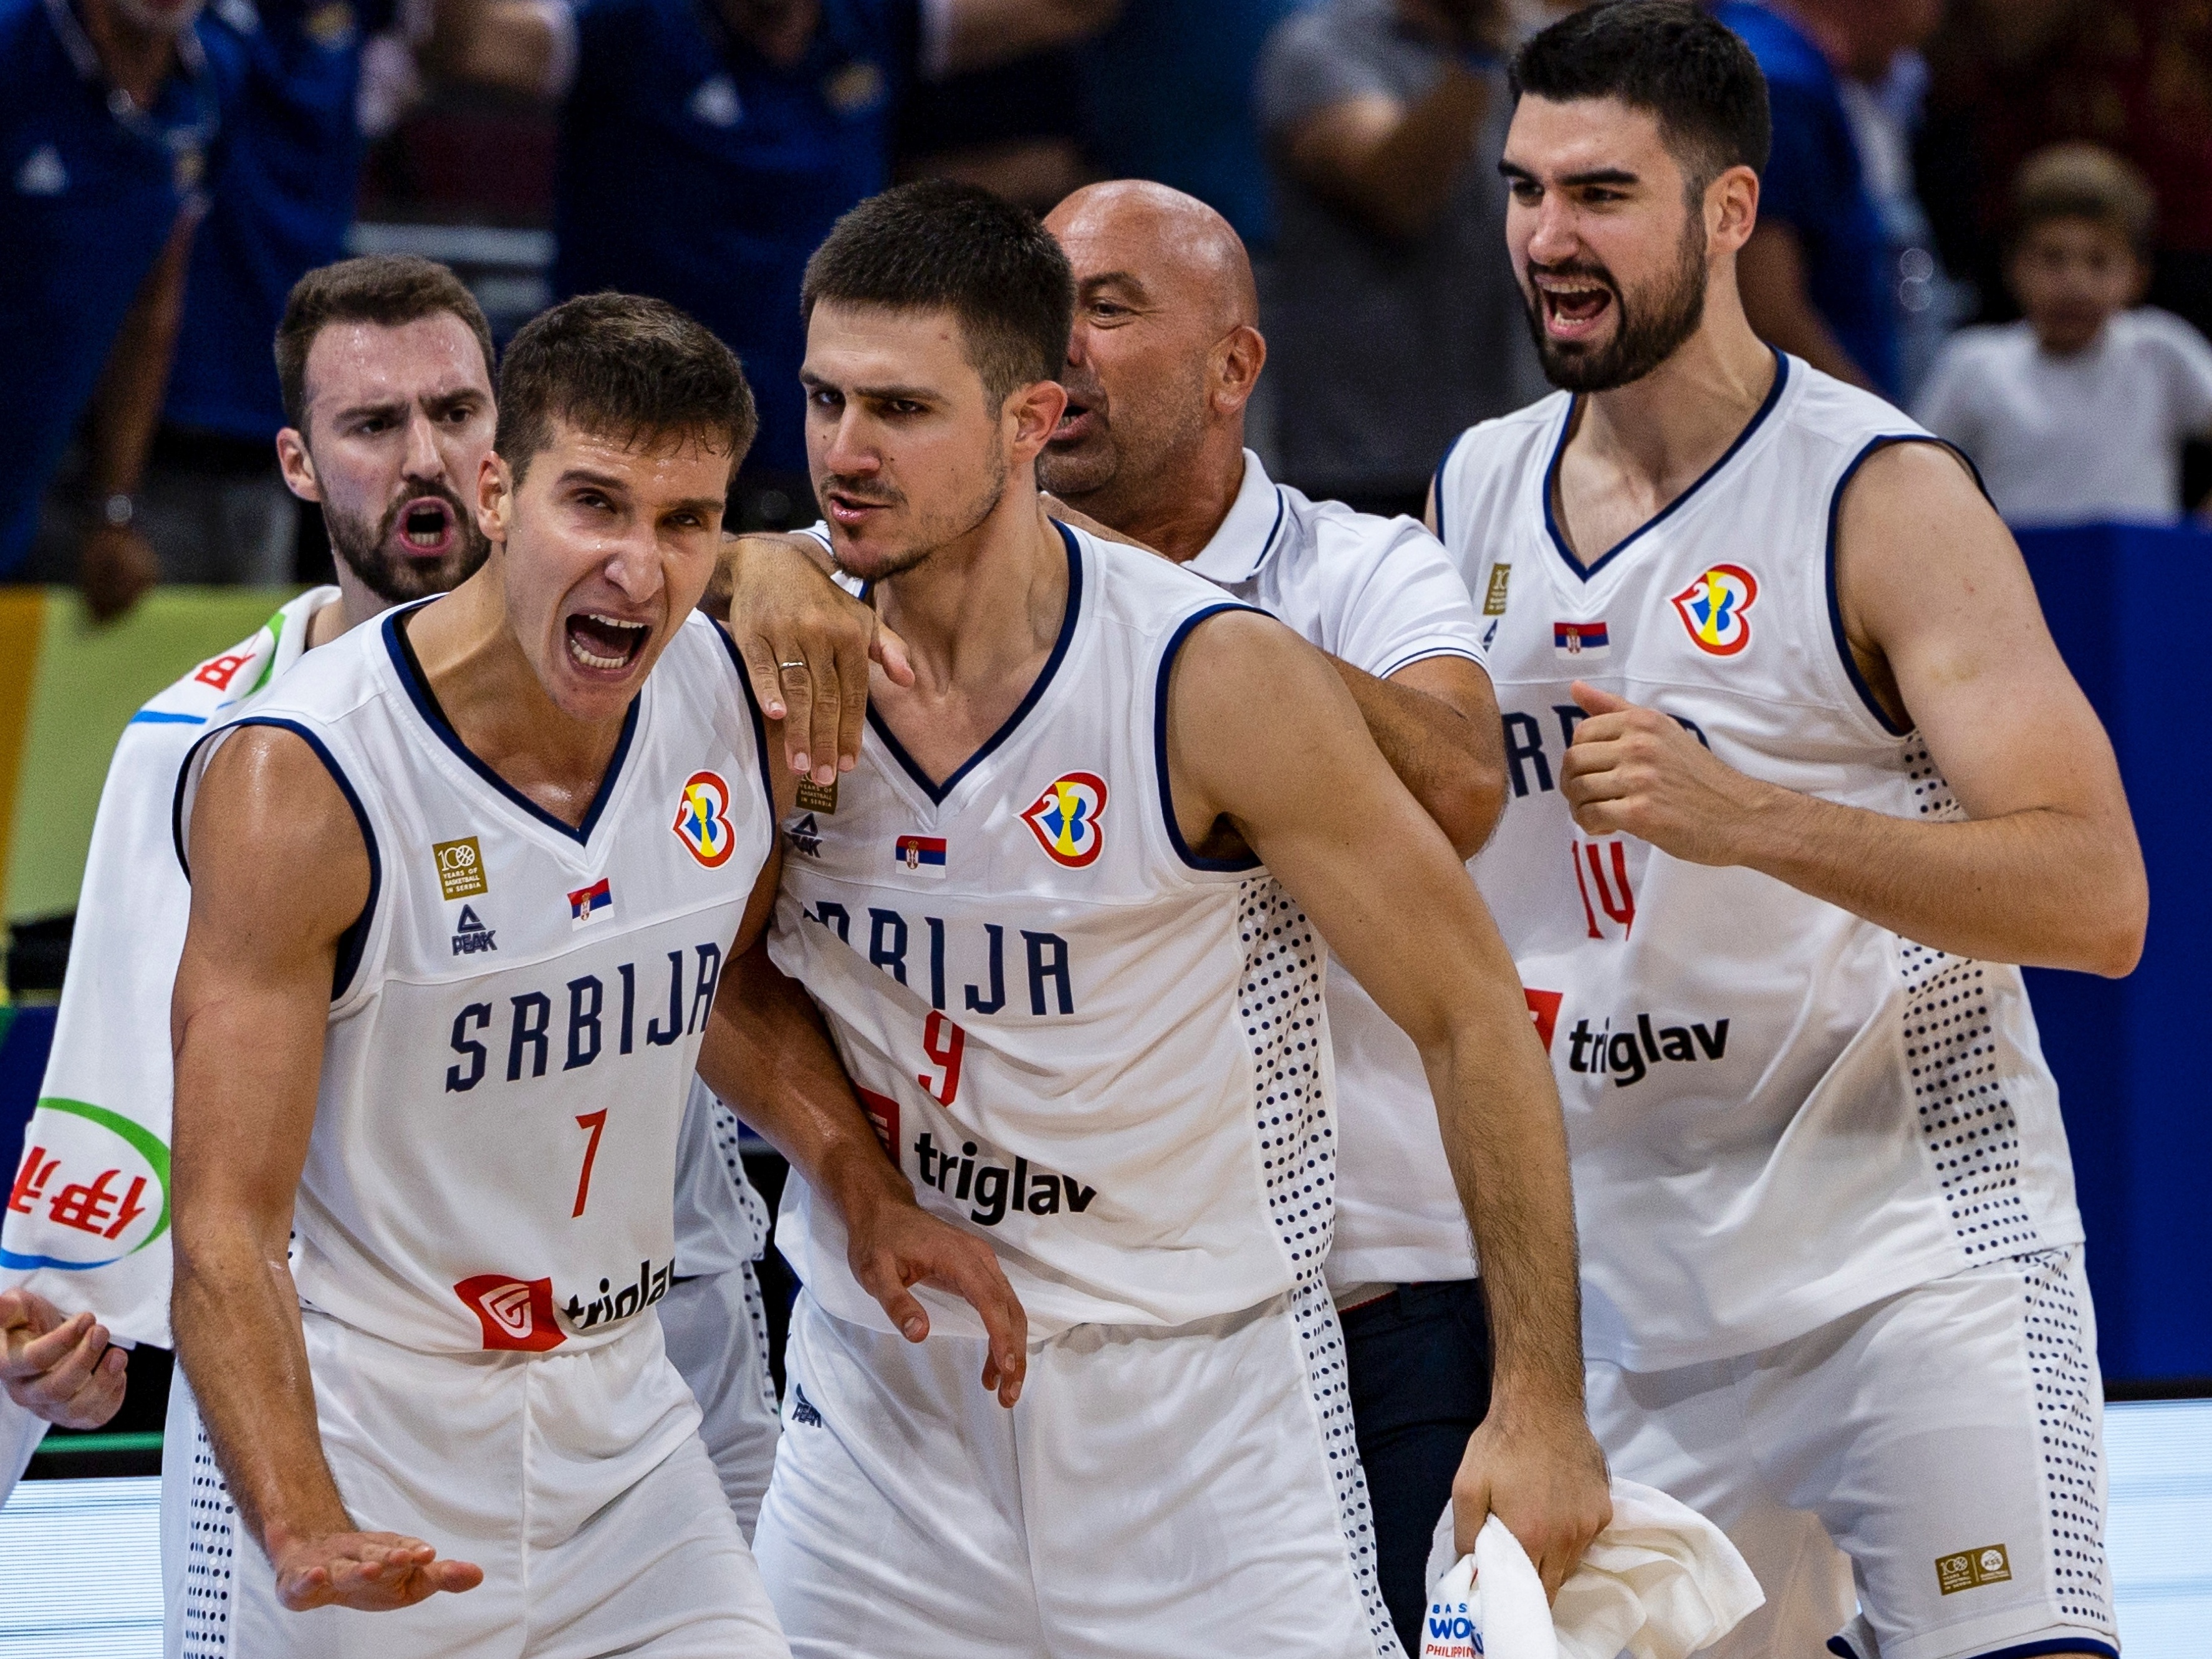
879	393
1128	279
1593	176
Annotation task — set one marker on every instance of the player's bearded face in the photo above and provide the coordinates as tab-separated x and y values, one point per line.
1594	332
422	542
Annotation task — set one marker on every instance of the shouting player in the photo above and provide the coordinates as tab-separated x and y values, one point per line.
1796	774
1057	918
462	887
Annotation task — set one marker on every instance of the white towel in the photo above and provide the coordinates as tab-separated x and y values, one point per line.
1659	1582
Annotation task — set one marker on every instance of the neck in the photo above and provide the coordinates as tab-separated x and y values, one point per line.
134	59
1667	429
1178	512
481	677
982	605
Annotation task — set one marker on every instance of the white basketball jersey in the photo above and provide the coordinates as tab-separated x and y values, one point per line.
518	1013
1082	1042
1779	1112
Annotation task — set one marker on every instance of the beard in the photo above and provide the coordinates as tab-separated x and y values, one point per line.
1647	334
394	577
931	532
1117	473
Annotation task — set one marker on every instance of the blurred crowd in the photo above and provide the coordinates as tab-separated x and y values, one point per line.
1996	213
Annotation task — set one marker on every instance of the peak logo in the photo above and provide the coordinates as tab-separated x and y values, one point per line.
702	820
1068	818
516	1314
1713	608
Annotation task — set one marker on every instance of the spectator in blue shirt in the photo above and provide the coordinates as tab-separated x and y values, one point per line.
1817	274
107	111
707	147
282	200
1172	83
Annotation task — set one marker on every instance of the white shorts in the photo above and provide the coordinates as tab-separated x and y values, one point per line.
1938	1457
1194	1491
576	1481
717	1335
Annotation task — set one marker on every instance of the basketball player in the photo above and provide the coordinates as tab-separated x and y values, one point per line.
1164	354
1042	917
561	757
385	362
1797	776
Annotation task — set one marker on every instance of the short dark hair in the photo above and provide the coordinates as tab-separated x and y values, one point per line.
622	366
1669	58
2083	181
388	290
935	245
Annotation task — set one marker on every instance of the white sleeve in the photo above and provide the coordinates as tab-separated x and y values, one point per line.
2192	375
1944	404
20	1430
1393	597
109	1062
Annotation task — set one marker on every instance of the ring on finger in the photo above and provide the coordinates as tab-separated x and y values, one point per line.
791	665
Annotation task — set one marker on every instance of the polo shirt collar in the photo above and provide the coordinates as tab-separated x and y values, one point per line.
1249	535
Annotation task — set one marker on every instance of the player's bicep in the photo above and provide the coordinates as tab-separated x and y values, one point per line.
280	872
1270	739
1934	588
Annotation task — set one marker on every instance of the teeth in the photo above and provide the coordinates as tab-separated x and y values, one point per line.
591	658
612	622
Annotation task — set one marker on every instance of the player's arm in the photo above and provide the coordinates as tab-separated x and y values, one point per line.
1392	164
769	1057
1436	722
118	566
279	873
979	34
57	1367
1293	776
1944	622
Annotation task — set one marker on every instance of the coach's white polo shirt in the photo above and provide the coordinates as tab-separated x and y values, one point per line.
1380	594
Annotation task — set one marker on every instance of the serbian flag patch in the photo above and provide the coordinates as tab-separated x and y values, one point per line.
586	903
920	855
1581	640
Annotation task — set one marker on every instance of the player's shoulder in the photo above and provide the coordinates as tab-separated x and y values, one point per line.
1339	540
212	685
1504	442
1137	590
1824	417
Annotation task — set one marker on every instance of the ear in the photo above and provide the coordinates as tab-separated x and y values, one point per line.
297	465
494	498
1033	413
1731	210
1237	359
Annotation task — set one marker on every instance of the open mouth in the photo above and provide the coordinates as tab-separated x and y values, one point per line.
1076	423
426	527
605	644
1573	306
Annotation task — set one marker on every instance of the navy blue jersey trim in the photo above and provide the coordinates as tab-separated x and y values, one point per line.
1560	448
426	704
752	704
1437	483
1873	446
2052	1644
937	791
355	940
1250	861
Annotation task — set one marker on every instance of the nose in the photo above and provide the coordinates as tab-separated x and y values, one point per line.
847	451
1078	344
1552	236
634	567
424	458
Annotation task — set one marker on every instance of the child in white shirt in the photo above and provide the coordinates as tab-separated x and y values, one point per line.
2078	412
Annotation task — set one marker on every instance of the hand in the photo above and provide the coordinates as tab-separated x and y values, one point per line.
116	569
894	1244
1542	1475
58	1369
1634	771
807	645
373	1571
